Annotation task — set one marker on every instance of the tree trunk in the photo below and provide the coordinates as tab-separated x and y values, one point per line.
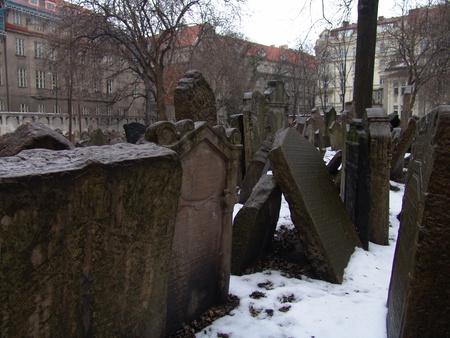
365	55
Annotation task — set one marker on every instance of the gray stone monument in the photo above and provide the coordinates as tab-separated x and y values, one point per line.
201	262
377	124
317	211
419	298
277	106
85	239
255	224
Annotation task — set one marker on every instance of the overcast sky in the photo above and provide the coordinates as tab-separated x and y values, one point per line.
282	22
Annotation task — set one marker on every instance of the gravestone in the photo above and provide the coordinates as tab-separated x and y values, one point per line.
134	131
201	262
31	136
194	99
317	211
357	173
258	167
86	240
254	225
97	138
277	106
336	134
398	155
254	124
377	124
419	299
330	117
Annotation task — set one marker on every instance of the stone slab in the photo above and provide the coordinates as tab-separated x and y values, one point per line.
419	293
317	211
85	239
255	224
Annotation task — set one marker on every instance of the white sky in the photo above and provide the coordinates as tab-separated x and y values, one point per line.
283	22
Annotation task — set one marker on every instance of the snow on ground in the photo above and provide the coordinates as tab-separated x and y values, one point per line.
291	307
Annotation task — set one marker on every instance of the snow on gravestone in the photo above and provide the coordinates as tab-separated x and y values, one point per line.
317	211
85	239
419	296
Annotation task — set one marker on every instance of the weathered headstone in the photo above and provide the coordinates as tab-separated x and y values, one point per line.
254	125
201	262
357	180
317	211
277	106
255	224
97	138
377	124
258	167
31	136
336	134
134	131
419	298
402	147
194	99
86	240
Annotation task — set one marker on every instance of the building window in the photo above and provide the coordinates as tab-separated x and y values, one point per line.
20	47
97	111
341	96
396	90
2	107
39	50
40	79
395	109
33	2
50	5
342	68
1	77
381	80
21	77
96	87
121	112
23	108
17	18
382	64
85	111
41	108
403	88
54	81
57	109
109	111
109	87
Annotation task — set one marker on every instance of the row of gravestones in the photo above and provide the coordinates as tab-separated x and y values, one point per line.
194	281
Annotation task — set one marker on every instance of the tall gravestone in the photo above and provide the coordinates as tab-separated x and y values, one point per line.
377	124
317	211
419	298
85	239
276	106
194	99
201	262
255	223
357	179
254	125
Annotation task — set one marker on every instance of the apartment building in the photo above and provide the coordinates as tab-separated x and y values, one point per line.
32	79
336	52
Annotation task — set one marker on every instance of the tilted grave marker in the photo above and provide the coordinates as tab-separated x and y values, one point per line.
255	224
419	299
317	211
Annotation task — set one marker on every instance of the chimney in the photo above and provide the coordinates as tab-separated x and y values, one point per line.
345	24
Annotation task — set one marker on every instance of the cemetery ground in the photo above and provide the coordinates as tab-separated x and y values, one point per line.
279	299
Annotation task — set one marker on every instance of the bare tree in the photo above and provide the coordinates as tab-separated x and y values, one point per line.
420	51
145	34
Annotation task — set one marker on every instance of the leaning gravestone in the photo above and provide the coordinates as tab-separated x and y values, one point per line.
317	211
194	99
255	224
86	240
258	167
31	136
419	298
201	262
